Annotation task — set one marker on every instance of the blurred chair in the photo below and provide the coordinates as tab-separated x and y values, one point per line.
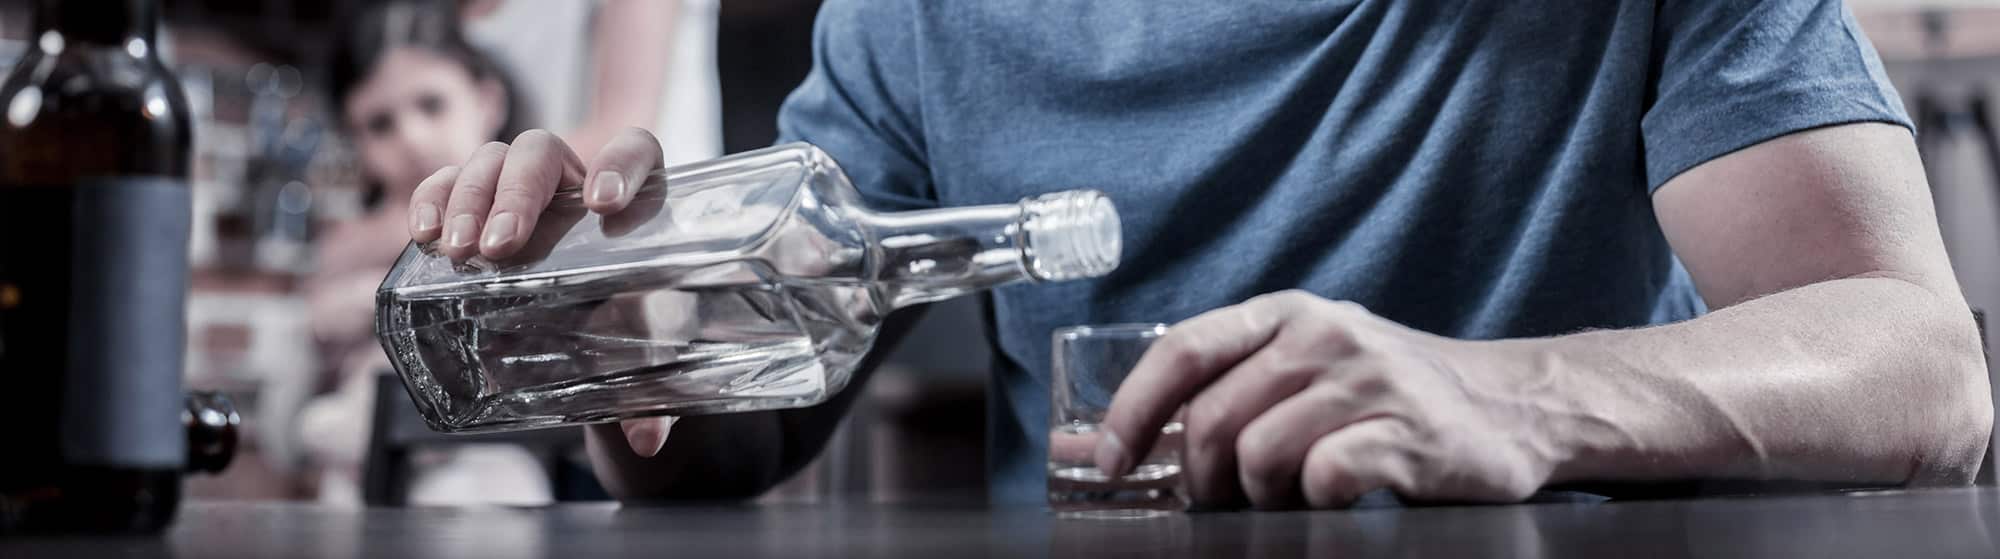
398	430
917	433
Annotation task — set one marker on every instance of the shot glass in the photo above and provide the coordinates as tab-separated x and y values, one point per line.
1090	363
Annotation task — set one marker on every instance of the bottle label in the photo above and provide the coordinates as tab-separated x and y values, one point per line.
93	285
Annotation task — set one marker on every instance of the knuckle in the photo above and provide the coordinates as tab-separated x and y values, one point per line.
1291	299
1519	484
431	191
1330	338
516	196
1325	484
469	188
1420	445
640	139
1198	447
491	150
1413	449
1178	352
1329	318
636	133
526	175
1257	318
1267	298
434	184
1412	472
534	136
1346	306
1207	424
1275	302
1369	383
1286	367
1257	455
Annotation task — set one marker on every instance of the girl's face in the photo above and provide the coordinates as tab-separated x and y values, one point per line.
419	111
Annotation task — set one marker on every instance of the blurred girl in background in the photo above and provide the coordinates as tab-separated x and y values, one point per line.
412	96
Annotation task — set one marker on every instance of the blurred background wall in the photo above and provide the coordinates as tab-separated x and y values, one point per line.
274	174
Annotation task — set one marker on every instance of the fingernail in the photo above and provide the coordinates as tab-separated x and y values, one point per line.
1110	455
425	219
640	437
646	436
500	230
609	187
464	230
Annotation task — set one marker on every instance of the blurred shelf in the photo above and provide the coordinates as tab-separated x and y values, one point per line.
292	31
9	51
242	281
1906	31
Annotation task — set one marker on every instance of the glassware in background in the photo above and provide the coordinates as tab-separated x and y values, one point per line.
10	51
282	145
1090	363
755	281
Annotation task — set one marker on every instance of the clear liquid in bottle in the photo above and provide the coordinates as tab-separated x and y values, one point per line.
751	282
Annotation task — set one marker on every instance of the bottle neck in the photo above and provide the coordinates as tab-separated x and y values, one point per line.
98	22
932	255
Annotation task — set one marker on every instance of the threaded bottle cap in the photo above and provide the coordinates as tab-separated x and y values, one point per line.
1071	234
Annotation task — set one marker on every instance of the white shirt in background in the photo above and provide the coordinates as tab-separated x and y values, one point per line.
546	47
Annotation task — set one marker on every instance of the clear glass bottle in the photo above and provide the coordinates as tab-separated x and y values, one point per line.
751	282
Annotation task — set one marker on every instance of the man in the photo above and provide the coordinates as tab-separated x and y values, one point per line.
1503	223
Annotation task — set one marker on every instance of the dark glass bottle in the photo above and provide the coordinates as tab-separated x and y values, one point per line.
94	221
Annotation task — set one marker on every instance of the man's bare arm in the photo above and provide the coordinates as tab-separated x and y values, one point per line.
1840	347
1839	350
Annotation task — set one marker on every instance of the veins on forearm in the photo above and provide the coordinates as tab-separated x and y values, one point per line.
1606	418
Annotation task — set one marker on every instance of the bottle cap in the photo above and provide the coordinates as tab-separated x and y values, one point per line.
1071	234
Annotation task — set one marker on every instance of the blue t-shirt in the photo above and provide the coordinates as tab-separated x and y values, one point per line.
1472	169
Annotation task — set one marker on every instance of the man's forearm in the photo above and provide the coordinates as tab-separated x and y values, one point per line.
1866	379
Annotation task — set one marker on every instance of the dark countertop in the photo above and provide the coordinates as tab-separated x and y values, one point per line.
1942	523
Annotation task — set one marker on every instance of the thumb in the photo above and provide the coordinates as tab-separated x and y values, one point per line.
647	435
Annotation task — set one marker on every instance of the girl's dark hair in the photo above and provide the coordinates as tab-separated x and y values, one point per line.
369	33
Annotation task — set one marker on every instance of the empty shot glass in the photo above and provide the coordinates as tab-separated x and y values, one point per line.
1090	363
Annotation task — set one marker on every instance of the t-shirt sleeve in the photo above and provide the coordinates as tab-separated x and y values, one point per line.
860	102
1732	73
